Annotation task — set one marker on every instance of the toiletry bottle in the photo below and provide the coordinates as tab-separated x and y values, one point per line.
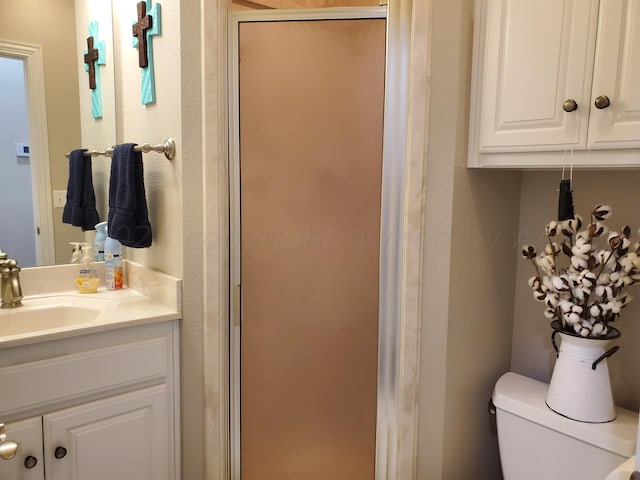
76	255
87	280
113	277
98	242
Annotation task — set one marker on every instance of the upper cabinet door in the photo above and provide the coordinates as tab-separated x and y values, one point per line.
537	60
615	120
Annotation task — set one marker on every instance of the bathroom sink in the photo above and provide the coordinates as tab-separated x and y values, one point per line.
50	313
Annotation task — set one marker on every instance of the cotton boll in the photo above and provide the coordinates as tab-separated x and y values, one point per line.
551	229
561	283
550	313
528	251
579	262
572	318
613	306
539	295
597	229
601	212
597	329
551	300
587	278
584	329
596	310
552	249
581	248
545	262
565	306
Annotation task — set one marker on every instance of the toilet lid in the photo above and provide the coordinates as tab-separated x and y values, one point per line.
525	397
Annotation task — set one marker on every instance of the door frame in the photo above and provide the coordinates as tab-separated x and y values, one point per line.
409	32
391	248
32	57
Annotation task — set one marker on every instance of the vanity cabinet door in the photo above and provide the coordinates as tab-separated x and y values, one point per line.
28	463
125	437
615	122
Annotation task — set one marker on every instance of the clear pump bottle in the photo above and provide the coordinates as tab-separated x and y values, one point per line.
87	280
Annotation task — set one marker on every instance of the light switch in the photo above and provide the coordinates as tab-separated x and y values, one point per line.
22	150
59	198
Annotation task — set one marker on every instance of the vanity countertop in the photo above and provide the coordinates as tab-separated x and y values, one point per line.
48	314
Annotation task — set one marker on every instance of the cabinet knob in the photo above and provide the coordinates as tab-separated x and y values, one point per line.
8	448
570	105
602	101
30	461
60	452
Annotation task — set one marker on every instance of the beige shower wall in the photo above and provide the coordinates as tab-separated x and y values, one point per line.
532	353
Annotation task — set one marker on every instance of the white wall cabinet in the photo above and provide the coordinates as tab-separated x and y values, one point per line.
117	419
554	76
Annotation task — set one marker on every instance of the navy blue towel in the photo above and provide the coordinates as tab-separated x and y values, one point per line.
80	209
128	214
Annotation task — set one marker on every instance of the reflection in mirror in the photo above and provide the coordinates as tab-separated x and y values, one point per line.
42	46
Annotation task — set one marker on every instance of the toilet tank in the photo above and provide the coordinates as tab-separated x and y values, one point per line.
537	443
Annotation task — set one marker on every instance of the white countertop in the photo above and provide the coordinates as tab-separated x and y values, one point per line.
150	297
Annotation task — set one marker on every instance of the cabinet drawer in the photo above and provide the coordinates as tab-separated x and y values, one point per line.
63	378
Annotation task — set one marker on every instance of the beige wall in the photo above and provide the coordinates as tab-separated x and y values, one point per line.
51	25
471	231
173	188
532	352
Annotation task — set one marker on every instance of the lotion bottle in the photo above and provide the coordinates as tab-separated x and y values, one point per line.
87	280
113	276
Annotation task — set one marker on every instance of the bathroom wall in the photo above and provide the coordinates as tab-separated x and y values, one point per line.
532	354
173	188
51	25
471	231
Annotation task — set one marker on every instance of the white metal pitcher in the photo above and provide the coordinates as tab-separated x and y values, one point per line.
580	387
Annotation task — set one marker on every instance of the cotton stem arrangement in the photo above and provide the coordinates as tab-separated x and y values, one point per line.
581	284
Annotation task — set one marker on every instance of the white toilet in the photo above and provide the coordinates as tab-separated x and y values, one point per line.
537	443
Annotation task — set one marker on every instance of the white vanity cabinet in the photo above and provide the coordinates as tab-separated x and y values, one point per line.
552	76
95	407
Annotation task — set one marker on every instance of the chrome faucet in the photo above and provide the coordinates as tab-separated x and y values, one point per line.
10	288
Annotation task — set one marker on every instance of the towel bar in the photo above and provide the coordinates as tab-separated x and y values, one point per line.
168	148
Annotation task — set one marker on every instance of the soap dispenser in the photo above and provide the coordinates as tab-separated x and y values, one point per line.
87	280
76	255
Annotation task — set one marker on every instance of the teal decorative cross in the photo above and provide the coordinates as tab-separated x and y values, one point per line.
93	56
146	26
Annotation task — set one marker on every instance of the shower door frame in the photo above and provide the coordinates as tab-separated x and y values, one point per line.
391	228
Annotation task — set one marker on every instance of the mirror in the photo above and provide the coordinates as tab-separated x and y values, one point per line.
51	114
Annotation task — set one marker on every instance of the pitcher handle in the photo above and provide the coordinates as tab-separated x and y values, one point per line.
606	354
555	345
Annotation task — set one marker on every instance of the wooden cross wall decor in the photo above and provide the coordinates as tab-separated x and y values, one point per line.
144	23
95	55
90	59
144	28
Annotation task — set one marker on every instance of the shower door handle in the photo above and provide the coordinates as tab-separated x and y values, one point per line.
235	304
